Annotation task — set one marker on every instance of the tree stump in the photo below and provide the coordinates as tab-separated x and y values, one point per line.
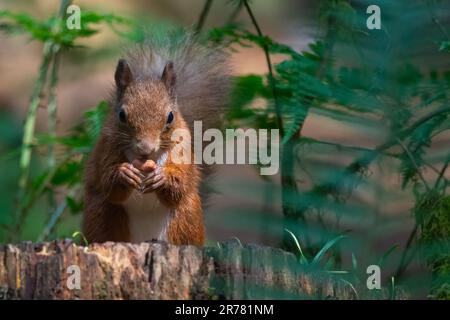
158	271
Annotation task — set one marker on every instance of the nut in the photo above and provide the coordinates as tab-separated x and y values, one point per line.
145	167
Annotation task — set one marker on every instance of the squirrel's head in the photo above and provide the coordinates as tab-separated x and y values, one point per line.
146	112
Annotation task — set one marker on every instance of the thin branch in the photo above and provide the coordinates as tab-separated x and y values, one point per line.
403	264
432	167
52	222
49	51
442	172
52	108
269	66
203	15
390	143
421	121
52	120
413	161
436	21
30	121
308	140
235	13
27	203
368	157
289	184
438	132
54	218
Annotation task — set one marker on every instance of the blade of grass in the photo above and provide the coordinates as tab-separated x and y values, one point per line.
386	254
81	235
325	248
354	263
352	287
303	259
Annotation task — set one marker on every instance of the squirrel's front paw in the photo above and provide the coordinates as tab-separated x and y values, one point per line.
156	179
130	176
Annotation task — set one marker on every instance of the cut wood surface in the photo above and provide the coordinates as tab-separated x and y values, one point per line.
159	271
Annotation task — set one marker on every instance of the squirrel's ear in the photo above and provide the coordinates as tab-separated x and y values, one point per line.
169	78
123	76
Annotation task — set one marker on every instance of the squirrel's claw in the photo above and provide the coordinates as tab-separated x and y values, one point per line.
129	175
154	181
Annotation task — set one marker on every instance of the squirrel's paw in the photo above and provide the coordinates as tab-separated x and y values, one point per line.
130	176
154	181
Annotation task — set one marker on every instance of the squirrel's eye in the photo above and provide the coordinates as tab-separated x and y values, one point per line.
122	116
170	117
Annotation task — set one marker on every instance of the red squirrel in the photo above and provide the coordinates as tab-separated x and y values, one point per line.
134	191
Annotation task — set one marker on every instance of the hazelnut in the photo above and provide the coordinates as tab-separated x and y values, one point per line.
147	166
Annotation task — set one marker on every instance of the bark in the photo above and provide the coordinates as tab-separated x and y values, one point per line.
158	271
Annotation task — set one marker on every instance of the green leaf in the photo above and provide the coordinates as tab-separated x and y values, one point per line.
68	173
39	181
74	205
294	120
325	248
80	234
246	89
392	288
24	23
354	263
303	259
45	30
95	118
445	46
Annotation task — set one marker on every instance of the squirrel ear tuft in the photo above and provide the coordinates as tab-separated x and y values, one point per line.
123	76
169	78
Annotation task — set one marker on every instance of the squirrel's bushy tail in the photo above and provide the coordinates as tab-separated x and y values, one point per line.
202	71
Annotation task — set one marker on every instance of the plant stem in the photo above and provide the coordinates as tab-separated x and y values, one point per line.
235	13
413	161
371	155
269	66
52	222
442	172
288	183
49	53
52	109
55	217
368	157
436	21
50	50
27	202
28	136
30	121
203	15
402	266
52	121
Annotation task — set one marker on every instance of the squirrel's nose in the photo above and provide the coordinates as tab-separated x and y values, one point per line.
144	148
